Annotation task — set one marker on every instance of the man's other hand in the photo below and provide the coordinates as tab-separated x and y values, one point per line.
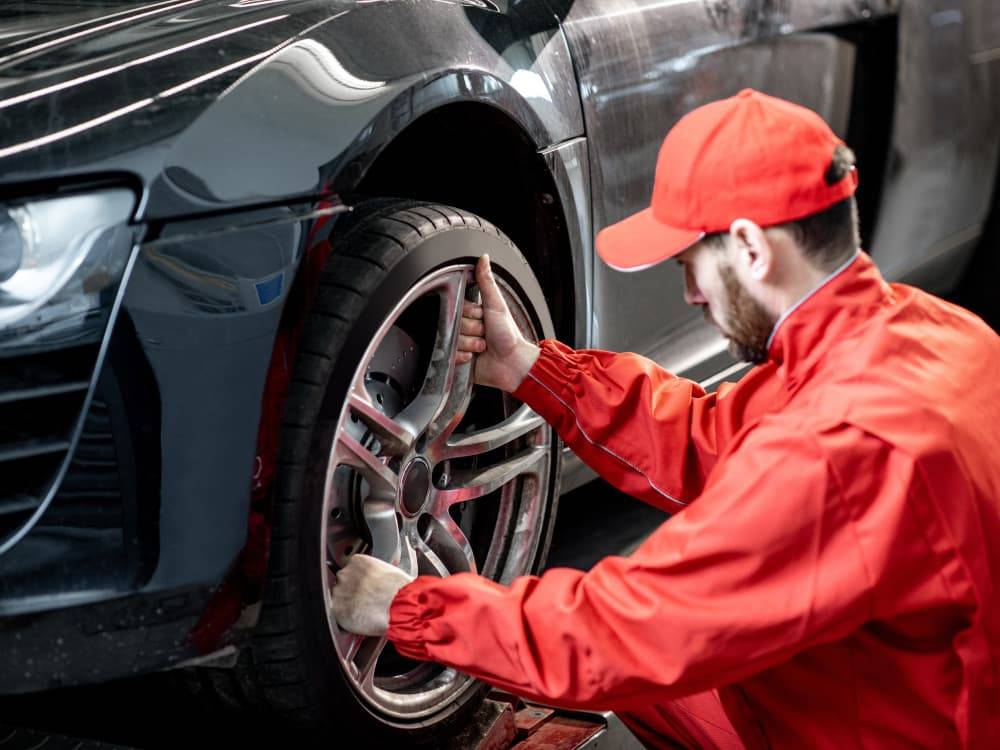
503	355
364	592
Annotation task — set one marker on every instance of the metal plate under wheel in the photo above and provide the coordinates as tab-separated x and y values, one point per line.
504	722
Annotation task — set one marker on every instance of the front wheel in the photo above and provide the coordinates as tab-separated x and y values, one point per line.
390	449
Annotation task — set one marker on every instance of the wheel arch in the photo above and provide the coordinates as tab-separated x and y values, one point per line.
480	158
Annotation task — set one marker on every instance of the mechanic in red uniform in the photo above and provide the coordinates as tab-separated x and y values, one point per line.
829	576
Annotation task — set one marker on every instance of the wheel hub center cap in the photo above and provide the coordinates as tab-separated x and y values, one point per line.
414	486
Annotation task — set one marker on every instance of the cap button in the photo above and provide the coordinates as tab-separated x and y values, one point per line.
745	93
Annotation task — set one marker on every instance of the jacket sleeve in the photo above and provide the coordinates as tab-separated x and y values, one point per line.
645	431
765	565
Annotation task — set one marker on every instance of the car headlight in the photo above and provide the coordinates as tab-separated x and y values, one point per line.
60	263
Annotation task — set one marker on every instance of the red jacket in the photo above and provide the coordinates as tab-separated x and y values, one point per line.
835	553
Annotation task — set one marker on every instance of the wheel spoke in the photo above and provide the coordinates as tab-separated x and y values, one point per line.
520	423
408	558
354	643
428	561
380	478
459	395
475	483
455	406
449	544
395	438
430	409
380	516
365	660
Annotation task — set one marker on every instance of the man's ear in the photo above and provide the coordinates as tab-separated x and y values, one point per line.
753	249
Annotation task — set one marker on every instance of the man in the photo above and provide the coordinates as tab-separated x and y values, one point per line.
829	577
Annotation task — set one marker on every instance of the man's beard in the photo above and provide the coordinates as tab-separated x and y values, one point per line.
747	324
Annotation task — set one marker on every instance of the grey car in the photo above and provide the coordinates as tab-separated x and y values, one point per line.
235	236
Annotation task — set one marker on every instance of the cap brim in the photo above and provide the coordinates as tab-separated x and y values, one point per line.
640	241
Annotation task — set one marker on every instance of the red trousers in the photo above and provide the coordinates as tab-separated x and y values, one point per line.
696	722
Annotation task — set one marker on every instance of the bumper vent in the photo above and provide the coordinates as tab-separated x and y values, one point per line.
41	399
90	493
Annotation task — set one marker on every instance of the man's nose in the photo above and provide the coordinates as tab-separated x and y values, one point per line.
692	294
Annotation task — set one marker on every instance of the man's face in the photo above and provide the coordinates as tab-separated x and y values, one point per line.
711	283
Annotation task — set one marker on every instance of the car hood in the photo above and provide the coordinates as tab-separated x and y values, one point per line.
98	87
39	36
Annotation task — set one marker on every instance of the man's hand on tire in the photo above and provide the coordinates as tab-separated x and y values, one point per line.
489	333
364	592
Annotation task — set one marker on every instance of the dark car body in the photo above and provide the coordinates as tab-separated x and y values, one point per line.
134	516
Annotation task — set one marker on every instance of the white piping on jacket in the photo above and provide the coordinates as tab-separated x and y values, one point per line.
823	283
605	448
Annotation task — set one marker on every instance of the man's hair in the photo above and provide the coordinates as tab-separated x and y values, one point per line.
828	237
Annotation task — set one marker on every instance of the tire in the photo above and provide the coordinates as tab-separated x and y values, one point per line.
300	664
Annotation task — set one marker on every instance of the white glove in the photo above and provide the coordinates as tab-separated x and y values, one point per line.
364	592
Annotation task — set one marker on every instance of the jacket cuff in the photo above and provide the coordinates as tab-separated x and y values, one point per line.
547	387
410	615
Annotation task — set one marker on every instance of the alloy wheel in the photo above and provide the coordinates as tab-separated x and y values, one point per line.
432	474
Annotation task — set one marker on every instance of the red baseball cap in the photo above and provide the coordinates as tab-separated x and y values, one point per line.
750	156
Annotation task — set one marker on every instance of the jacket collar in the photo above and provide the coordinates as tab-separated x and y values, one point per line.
841	302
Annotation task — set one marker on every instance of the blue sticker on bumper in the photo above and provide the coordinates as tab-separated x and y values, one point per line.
270	290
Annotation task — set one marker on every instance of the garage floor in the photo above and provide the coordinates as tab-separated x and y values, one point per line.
149	712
